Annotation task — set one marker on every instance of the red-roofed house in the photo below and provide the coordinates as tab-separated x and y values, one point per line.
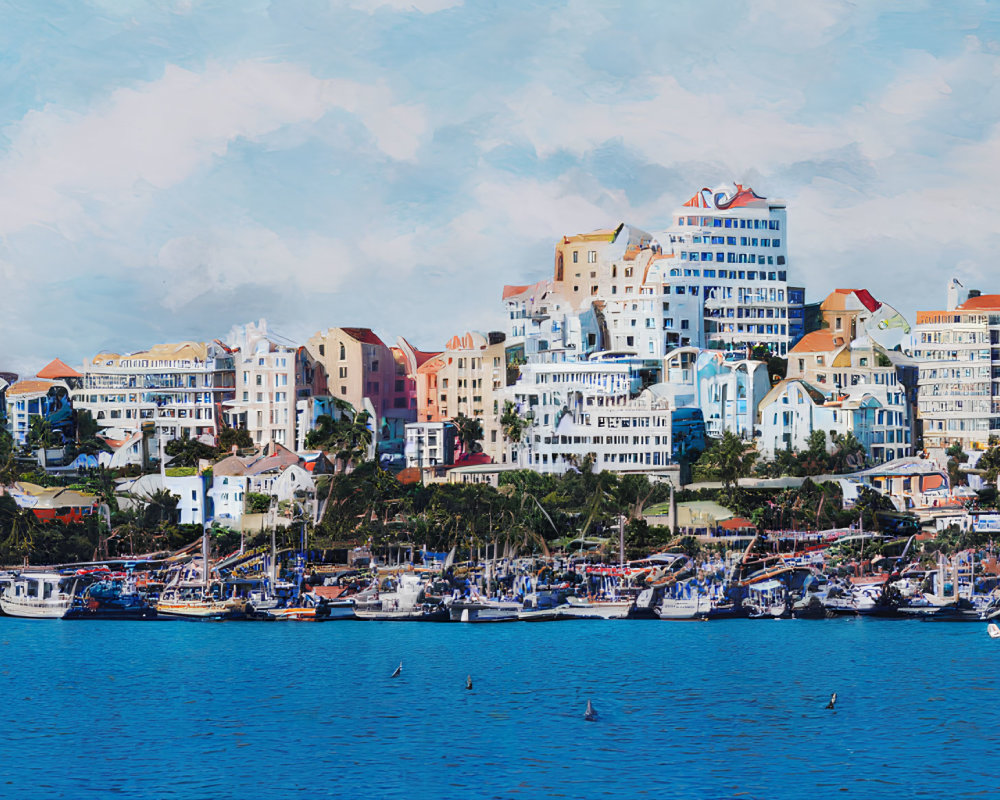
359	365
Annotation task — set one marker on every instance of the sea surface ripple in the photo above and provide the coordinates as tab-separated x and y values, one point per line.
723	709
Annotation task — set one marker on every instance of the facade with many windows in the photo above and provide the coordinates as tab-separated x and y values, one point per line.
730	253
179	389
958	352
607	409
267	385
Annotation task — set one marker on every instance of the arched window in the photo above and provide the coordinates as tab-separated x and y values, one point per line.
343	352
559	266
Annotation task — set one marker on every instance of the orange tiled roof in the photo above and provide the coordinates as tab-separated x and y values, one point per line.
58	369
821	341
29	387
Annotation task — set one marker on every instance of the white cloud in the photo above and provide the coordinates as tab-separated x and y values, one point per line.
158	134
226	259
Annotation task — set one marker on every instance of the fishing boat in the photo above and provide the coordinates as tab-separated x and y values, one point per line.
310	607
199	601
698	597
544	605
583	608
408	603
36	595
766	599
111	598
483	610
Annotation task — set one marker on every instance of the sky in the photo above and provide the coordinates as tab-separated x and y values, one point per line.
170	169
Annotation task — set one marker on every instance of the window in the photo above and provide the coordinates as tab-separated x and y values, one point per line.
343	372
591	256
260	380
684	324
576	256
343	351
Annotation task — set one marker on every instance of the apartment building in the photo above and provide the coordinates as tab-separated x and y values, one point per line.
271	377
179	388
466	379
609	408
958	353
360	365
730	250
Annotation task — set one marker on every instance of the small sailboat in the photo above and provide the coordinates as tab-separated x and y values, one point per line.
993	630
590	715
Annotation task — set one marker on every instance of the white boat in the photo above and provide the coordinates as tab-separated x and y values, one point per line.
696	607
581	608
407	604
767	598
993	630
480	610
36	595
545	605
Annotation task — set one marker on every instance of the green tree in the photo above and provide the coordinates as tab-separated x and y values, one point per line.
989	461
469	431
188	452
511	422
956	457
728	459
238	437
40	433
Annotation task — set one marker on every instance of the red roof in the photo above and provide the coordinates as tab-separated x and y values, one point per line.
364	335
510	291
57	369
736	524
421	356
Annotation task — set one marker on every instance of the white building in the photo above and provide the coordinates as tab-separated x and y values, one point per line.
608	409
430	444
875	414
228	494
727	392
265	392
727	283
177	388
959	372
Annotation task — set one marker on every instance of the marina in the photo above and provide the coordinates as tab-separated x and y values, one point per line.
754	692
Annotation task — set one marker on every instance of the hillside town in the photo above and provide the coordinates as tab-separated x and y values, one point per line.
684	363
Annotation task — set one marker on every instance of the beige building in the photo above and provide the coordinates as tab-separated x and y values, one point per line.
359	365
465	379
269	381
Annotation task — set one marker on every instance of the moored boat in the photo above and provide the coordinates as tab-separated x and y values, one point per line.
582	608
36	595
483	610
112	598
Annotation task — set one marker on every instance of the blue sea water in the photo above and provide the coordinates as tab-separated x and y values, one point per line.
690	710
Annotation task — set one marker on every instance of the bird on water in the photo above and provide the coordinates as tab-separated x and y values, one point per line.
833	702
590	715
398	670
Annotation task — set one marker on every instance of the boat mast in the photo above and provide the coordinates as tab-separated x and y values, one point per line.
204	557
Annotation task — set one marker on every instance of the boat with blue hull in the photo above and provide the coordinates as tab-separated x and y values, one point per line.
111	599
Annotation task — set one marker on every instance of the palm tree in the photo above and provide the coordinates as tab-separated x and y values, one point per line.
731	459
511	422
40	433
469	430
